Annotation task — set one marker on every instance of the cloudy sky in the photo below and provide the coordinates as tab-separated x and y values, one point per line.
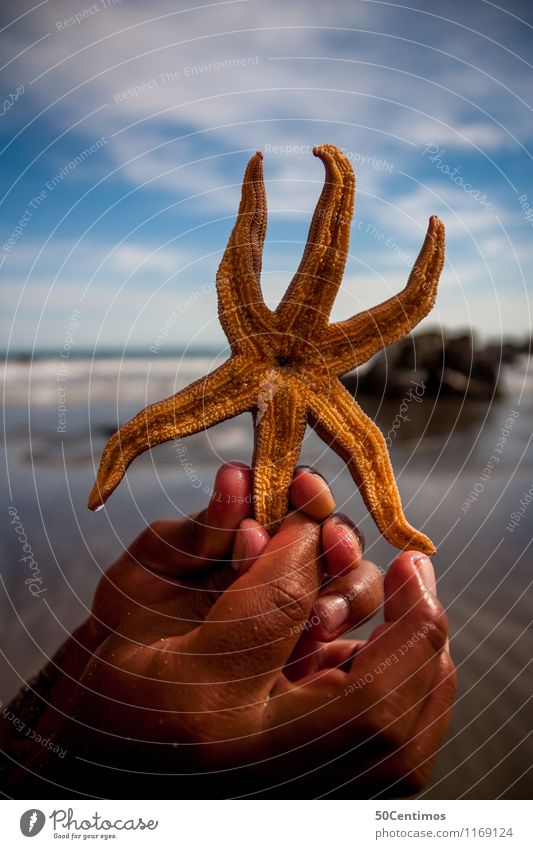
126	127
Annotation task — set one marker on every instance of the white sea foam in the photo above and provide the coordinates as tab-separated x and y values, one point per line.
102	381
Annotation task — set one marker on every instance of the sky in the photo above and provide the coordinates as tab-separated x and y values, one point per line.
126	127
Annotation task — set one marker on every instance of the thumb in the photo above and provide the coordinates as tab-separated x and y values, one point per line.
252	629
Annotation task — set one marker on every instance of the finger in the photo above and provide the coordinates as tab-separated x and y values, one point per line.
304	659
397	666
407	770
427	572
409	586
342	543
415	629
252	629
346	602
367	771
250	541
340	654
181	547
391	673
310	656
310	494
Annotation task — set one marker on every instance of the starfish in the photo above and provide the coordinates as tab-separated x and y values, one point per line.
285	364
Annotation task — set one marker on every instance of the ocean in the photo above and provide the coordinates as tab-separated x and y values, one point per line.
58	414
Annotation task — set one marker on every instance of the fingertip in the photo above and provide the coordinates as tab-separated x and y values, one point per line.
401	571
310	493
232	494
409	564
426	571
342	545
230	503
250	542
406	591
235	464
234	473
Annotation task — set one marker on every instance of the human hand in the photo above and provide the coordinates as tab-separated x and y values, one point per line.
235	690
190	562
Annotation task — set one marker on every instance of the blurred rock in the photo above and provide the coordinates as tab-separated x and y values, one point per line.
448	366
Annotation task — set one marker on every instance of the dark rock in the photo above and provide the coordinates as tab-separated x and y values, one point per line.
447	366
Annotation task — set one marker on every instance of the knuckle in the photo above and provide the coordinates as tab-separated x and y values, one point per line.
432	626
152	533
290	599
437	632
449	677
369	596
384	729
390	736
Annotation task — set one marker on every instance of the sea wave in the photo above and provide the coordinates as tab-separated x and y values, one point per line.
101	381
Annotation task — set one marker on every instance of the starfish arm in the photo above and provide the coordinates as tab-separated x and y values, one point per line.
241	308
307	303
348	344
280	423
340	422
224	393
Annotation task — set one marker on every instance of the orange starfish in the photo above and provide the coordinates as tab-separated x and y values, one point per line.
285	364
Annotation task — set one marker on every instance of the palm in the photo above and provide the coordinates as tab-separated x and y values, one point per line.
133	586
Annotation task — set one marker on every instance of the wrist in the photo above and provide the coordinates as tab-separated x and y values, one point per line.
30	725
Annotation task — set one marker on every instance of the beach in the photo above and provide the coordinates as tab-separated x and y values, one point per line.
464	470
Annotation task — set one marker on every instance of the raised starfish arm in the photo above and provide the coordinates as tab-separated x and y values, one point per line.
340	421
226	392
280	423
241	308
348	344
307	303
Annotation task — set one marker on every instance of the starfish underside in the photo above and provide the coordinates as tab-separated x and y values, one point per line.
285	364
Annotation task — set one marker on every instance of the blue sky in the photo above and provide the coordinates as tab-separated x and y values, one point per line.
146	114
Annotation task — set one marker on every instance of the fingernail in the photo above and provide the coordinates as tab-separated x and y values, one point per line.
333	612
312	471
427	573
237	464
343	519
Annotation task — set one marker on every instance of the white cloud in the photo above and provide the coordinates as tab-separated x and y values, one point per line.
297	97
127	259
371	78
